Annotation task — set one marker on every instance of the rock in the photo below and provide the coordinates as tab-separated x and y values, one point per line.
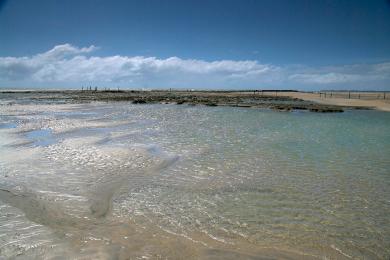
139	101
325	110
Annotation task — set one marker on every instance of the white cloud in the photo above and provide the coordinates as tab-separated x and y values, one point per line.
63	51
67	65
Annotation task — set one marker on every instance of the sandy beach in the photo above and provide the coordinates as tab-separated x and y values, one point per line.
373	100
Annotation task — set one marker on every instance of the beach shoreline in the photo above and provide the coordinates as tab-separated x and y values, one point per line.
277	100
373	100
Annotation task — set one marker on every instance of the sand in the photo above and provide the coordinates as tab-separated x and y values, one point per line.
375	103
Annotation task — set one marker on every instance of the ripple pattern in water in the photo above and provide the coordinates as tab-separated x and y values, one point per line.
117	180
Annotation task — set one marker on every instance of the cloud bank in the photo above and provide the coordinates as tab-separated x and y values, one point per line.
69	66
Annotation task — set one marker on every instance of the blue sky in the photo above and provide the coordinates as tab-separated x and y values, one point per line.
305	45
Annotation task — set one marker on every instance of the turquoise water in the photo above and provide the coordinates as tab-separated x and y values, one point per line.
242	182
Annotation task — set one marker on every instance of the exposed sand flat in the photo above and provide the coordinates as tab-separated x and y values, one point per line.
372	100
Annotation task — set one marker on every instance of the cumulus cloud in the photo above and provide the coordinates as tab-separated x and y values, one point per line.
67	65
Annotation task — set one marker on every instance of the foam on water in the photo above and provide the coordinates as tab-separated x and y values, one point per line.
114	180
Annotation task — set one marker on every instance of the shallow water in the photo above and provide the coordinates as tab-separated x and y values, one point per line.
116	180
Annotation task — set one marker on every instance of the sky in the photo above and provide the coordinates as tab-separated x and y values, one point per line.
214	44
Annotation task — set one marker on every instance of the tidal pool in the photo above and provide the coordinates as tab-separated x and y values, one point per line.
117	180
